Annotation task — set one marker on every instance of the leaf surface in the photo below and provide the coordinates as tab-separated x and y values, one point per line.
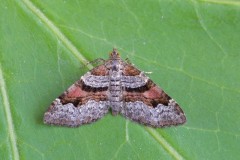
192	48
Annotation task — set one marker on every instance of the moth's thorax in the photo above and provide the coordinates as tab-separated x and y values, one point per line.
116	65
115	71
114	54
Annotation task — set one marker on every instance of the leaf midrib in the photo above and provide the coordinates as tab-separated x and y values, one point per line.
56	31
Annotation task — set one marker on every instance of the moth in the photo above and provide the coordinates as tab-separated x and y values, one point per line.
117	85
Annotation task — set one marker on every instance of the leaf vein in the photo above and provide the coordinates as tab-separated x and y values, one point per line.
10	124
205	29
164	143
191	76
227	2
55	30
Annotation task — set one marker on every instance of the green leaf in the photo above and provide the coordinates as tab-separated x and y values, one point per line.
192	48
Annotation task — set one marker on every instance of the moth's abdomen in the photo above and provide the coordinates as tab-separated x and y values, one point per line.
115	91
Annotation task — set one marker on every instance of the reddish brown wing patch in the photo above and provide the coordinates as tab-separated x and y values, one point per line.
158	95
130	70
100	71
79	94
150	94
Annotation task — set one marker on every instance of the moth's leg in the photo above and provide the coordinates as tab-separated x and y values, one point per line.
127	60
95	62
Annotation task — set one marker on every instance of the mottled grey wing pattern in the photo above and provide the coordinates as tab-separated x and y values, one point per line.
72	116
148	104
84	102
95	81
159	116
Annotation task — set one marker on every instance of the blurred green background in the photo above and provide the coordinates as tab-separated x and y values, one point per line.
192	48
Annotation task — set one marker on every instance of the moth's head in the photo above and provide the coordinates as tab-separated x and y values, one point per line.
114	54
